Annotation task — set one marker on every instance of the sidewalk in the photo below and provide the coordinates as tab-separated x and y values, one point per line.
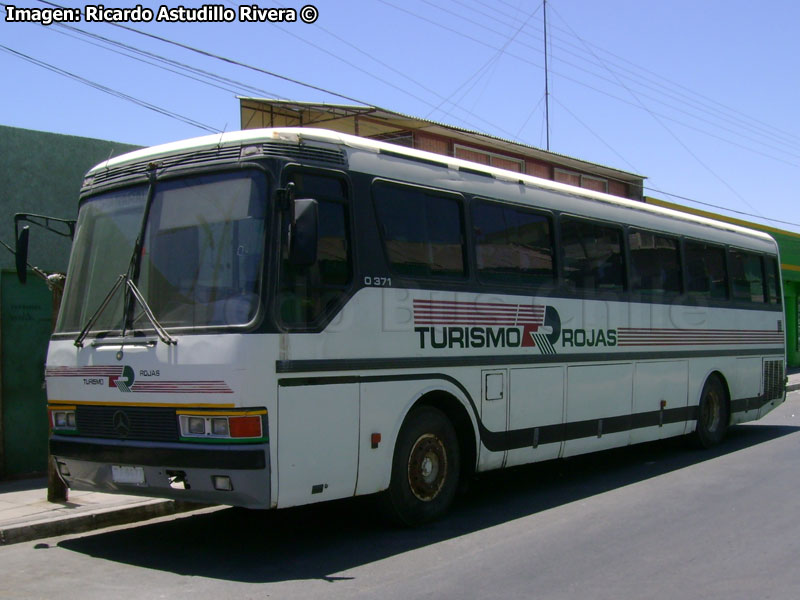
793	375
25	513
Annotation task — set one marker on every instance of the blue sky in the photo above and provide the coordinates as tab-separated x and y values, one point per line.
700	96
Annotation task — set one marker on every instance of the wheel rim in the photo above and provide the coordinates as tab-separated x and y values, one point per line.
712	411
427	467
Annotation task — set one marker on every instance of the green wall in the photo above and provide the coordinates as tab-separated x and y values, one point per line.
25	324
39	173
42	173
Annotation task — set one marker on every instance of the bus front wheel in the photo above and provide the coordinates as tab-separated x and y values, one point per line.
712	414
425	468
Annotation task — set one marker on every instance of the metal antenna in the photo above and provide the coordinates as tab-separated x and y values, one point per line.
546	83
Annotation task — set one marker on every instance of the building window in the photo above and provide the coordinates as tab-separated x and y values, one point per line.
491	159
590	182
399	138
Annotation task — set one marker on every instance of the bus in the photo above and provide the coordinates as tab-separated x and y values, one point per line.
277	317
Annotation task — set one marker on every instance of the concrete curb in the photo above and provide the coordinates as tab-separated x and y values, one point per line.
89	521
792	388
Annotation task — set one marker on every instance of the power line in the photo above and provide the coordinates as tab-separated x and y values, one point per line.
210	77
755	125
591	87
245	65
674	135
616	81
774	131
269	73
136	58
499	53
226	59
596	135
111	91
718	207
239	63
381	79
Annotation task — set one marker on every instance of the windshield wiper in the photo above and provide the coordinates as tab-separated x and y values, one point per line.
132	295
162	333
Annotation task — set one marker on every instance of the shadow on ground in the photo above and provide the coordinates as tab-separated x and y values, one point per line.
318	541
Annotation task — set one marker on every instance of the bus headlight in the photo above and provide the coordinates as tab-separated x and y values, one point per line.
219	426
245	425
63	418
196	425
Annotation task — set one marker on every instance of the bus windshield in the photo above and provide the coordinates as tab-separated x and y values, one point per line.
201	261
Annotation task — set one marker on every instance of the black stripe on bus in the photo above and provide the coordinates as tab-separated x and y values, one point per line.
498	441
145	454
417	362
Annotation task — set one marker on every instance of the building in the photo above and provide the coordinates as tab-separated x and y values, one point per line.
414	132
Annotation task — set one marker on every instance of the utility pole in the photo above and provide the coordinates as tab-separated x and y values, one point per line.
546	78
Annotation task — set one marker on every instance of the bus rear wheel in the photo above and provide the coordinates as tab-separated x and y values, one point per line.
713	414
425	468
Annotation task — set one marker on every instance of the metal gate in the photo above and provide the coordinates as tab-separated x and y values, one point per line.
25	325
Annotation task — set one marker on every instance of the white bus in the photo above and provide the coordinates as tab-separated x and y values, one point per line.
271	318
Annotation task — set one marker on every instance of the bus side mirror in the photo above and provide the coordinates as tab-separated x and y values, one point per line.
304	233
21	251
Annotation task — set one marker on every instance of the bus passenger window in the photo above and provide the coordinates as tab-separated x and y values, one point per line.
592	256
655	263
422	231
512	245
706	269
747	276
773	281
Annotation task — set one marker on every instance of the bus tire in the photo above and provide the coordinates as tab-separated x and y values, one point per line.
425	468
713	414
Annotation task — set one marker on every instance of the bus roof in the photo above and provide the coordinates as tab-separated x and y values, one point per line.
326	137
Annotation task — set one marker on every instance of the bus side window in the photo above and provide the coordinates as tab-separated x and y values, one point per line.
773	285
708	275
593	257
655	263
747	276
306	293
422	231
512	244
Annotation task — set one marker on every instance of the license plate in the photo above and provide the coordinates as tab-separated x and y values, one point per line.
125	474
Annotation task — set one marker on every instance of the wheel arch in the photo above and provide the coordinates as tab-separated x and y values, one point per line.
459	416
719	375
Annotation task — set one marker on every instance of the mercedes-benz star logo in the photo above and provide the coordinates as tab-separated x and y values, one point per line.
121	423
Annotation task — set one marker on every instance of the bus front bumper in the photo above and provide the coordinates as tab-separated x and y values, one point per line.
238	475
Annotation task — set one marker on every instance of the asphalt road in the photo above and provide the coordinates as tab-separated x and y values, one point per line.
653	521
